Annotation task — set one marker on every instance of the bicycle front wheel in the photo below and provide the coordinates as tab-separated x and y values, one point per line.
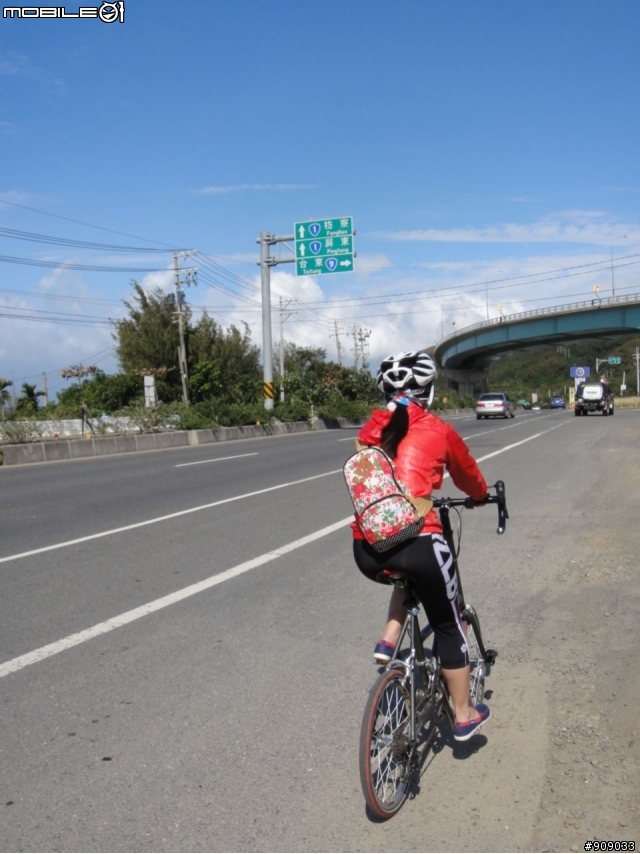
385	748
476	660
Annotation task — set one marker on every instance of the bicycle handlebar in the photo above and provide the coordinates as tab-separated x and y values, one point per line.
499	498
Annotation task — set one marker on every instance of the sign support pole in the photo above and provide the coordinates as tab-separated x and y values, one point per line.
266	262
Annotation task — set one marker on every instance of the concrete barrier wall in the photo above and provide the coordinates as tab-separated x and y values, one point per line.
75	449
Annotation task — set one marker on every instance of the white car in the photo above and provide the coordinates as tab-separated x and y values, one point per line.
495	404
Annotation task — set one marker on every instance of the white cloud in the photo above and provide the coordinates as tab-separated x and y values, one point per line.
303	288
16	64
236	188
163	279
587	227
367	264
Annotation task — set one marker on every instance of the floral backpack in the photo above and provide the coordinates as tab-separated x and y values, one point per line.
384	513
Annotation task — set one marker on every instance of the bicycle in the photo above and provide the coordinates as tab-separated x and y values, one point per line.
409	702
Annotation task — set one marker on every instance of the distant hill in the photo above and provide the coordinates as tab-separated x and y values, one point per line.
545	370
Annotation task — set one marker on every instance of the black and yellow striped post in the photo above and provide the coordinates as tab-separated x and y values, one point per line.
268	391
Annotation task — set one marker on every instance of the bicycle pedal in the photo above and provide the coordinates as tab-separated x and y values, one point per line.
490	656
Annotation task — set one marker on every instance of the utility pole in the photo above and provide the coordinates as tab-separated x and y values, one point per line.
45	389
336	335
360	347
363	338
637	361
282	319
187	277
265	263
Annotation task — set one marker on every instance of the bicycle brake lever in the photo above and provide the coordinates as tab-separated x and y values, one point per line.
503	513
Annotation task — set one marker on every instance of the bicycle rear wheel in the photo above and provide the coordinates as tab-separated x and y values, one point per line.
476	659
385	749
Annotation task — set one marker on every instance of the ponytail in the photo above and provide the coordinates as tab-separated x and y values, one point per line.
395	431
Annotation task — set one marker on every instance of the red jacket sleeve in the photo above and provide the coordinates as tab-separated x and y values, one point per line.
371	432
463	468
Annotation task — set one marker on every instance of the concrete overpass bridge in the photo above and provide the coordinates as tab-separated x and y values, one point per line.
465	355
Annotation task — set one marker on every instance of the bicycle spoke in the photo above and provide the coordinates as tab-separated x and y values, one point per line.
478	665
386	770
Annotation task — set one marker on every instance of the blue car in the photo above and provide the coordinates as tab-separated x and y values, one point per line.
558	402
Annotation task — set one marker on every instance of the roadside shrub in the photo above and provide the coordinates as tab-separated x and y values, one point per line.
154	419
340	407
453	401
196	417
20	432
241	414
292	410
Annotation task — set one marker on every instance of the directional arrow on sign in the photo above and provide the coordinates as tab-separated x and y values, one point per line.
301	232
345	263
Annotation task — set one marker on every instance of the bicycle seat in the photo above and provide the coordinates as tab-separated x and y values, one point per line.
393	576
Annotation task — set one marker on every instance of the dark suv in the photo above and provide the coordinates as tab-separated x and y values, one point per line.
593	397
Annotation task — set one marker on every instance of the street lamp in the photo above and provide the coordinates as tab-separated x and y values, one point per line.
613	287
596	290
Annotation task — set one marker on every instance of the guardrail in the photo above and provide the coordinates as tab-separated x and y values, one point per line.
592	304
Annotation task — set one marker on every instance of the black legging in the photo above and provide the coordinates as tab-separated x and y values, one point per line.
428	562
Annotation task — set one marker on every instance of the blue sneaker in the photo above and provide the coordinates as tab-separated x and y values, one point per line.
463	732
383	652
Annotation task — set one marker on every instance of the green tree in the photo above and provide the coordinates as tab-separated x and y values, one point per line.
205	382
148	338
5	396
104	393
27	403
230	355
310	359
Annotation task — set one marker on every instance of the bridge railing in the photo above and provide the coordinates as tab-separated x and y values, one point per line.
594	304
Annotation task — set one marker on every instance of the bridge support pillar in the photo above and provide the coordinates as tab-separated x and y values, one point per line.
467	382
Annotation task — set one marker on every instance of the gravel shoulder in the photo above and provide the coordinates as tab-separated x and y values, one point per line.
590	631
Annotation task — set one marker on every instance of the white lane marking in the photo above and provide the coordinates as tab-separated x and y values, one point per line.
521	442
158	604
164	602
216	460
509	427
164	518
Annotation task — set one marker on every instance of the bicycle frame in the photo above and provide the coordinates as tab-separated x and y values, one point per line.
409	700
433	695
416	660
467	612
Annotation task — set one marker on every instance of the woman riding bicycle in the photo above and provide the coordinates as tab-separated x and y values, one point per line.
422	446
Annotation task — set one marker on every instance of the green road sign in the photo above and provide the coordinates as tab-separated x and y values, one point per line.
324	246
615	360
319	265
337	227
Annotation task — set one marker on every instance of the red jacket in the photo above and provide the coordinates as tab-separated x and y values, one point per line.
429	447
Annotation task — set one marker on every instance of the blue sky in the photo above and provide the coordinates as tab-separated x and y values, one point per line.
487	152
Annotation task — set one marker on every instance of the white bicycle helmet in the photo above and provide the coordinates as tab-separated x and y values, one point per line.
412	373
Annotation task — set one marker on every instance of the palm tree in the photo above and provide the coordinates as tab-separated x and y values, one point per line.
5	396
28	402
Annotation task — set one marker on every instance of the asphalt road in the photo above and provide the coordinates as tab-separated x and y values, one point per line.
185	645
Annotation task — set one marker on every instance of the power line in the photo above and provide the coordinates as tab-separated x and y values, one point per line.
59	296
63	241
93	268
88	224
79	321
